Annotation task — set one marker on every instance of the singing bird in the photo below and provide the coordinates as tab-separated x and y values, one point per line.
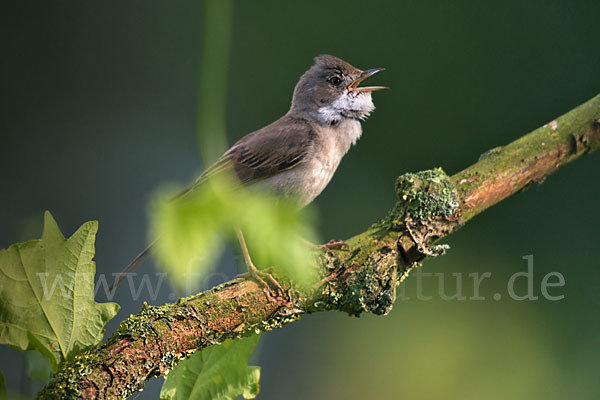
297	155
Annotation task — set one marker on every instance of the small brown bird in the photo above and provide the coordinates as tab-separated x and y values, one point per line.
297	155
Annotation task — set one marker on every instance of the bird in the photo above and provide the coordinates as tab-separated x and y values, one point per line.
297	155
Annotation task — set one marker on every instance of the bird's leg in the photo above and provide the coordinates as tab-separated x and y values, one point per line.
332	244
335	244
254	272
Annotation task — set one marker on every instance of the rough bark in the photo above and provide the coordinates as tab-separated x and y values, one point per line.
430	206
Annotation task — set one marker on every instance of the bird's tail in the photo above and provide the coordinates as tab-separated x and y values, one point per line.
132	265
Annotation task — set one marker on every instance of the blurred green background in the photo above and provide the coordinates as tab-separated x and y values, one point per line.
99	108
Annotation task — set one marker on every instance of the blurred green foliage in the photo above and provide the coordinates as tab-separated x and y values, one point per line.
192	231
217	21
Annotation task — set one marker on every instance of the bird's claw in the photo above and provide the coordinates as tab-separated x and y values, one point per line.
260	277
334	244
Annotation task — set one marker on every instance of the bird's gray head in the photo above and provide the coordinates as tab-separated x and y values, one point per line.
329	90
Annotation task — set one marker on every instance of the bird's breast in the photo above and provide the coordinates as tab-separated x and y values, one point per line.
308	179
329	149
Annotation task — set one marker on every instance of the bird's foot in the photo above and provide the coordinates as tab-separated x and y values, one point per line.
334	244
261	277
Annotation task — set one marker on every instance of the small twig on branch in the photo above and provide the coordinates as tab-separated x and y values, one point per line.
430	206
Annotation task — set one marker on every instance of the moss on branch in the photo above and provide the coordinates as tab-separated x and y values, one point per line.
430	206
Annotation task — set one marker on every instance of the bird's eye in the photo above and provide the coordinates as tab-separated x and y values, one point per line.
335	81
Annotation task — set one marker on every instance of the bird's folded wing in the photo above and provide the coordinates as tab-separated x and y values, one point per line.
264	153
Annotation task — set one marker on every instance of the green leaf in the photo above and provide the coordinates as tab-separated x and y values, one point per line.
217	372
193	231
47	294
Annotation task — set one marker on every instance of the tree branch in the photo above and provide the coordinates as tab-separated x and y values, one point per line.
430	206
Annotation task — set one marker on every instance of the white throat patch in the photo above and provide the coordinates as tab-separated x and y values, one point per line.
348	105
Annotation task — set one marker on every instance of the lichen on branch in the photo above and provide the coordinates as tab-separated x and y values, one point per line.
430	206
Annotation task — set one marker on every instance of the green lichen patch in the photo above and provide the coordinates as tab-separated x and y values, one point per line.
139	325
372	291
366	284
427	207
425	194
70	377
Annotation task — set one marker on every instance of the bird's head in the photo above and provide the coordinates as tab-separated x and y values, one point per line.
330	90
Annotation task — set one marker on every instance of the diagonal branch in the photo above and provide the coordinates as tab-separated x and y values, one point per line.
430	206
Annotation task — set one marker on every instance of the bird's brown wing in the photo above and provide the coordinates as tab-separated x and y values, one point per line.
264	153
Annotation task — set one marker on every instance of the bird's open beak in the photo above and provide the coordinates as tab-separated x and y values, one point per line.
354	85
